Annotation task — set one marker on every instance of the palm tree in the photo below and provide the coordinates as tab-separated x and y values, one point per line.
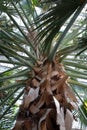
37	51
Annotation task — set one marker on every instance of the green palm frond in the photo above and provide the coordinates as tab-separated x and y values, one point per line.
13	47
53	19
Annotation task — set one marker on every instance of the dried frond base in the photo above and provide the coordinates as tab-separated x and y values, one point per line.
47	102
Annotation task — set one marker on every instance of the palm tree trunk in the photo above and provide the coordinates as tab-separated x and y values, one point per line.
47	100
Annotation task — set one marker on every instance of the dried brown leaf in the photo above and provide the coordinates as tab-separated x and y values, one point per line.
45	85
37	69
41	101
60	115
68	120
48	87
32	95
69	93
59	84
53	74
39	62
42	85
27	89
41	113
51	121
60	68
43	125
33	109
53	82
48	99
74	105
49	68
59	97
43	118
35	83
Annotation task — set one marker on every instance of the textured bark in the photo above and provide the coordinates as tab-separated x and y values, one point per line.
46	103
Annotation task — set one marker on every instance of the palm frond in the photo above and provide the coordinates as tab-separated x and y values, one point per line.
52	21
15	38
